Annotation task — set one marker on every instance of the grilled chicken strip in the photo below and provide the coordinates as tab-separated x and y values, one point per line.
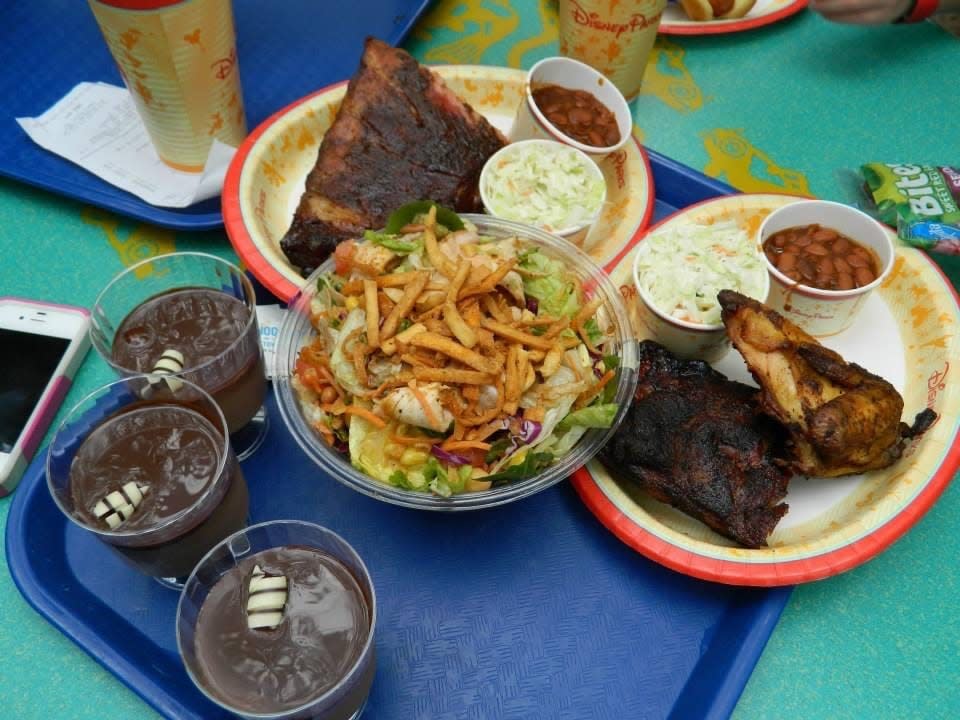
841	418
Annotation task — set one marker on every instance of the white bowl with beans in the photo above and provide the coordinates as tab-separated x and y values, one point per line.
824	258
574	77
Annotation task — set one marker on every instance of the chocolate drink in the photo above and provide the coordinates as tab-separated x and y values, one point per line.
172	505
213	332
323	627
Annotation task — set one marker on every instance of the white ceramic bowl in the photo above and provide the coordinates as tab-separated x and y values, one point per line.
683	338
488	178
530	123
825	312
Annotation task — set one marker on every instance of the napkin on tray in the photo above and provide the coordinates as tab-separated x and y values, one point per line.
96	126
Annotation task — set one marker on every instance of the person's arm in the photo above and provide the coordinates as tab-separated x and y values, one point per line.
879	12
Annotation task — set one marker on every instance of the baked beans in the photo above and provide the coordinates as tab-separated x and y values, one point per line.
577	114
822	258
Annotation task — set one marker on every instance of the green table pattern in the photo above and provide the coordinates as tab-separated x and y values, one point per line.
775	109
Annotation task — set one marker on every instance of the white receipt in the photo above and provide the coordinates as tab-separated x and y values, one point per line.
269	318
96	126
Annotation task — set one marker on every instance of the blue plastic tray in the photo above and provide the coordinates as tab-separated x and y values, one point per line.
286	48
532	610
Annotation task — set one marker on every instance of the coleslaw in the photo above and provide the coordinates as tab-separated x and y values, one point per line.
682	267
543	183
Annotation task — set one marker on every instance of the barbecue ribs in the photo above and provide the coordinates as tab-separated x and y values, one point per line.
400	135
841	418
700	442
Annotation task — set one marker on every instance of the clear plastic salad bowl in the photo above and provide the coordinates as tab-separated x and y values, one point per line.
297	330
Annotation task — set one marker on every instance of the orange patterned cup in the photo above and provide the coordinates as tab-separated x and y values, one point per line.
178	59
612	36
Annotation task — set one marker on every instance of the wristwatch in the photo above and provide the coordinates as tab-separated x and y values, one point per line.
918	11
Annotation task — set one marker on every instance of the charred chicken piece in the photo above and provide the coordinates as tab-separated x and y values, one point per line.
400	135
701	443
841	418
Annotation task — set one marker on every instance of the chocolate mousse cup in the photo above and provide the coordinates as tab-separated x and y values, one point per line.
192	315
278	622
147	467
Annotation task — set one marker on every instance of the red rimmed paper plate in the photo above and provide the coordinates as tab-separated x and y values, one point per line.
266	177
765	12
909	333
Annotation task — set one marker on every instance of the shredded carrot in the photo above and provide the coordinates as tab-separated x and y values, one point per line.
465	445
586	339
427	410
588	397
334	408
374	420
325	431
330	379
405	440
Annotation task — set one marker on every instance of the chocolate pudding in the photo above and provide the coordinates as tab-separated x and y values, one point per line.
314	633
150	479
213	332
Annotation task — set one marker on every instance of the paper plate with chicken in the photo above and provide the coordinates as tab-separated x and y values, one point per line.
793	457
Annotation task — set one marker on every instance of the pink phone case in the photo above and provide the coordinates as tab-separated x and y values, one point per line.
47	405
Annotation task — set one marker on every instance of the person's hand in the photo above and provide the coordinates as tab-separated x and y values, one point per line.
862	12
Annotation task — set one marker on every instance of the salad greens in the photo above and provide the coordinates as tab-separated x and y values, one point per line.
446	391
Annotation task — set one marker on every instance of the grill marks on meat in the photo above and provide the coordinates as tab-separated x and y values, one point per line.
841	418
400	135
701	443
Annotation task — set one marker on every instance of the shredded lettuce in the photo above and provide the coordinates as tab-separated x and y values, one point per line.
594	416
523	467
340	364
550	283
592	329
545	184
393	242
682	267
560	443
436	477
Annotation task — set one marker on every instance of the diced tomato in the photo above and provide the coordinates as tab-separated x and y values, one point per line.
343	257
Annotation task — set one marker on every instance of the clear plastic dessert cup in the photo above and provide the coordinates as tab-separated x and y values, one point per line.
233	373
297	330
340	699
170	441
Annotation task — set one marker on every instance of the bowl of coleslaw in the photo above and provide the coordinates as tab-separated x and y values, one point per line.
552	186
678	270
454	363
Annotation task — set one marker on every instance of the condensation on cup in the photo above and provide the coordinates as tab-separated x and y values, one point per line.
612	36
178	59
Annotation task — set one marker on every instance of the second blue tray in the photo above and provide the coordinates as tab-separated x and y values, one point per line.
286	49
531	610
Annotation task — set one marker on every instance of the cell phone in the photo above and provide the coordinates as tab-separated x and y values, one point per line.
41	347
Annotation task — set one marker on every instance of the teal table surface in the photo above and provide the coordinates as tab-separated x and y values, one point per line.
775	109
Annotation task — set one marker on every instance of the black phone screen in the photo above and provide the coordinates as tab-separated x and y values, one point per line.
27	362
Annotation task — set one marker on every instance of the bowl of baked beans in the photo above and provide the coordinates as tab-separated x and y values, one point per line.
824	258
570	102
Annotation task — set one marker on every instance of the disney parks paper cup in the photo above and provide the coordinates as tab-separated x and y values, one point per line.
178	59
613	37
825	312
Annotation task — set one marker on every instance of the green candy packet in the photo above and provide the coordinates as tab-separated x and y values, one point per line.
921	201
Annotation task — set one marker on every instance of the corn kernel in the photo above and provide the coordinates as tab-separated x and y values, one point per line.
412	457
